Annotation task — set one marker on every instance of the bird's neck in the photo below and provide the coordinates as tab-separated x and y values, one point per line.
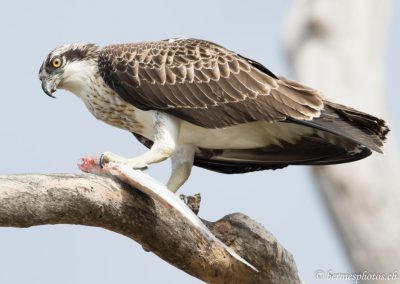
79	77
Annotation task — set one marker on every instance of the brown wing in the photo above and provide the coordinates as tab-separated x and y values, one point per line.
203	83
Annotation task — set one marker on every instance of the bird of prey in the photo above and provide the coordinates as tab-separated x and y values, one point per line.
201	104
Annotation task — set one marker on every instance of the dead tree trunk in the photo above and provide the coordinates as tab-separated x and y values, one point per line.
29	200
338	48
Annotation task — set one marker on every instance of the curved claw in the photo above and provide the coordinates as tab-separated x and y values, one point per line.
102	161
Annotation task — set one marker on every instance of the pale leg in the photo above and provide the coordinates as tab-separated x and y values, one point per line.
181	162
166	131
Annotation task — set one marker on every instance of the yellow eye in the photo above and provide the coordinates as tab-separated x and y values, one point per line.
56	62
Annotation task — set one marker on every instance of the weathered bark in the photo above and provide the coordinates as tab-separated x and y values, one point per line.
29	200
338	47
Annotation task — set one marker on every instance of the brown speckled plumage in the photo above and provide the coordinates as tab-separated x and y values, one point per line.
106	105
210	88
203	83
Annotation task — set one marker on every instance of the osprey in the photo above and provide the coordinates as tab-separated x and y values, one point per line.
201	104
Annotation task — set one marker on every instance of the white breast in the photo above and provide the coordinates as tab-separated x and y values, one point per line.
83	79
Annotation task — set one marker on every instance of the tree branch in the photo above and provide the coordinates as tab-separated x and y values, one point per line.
29	200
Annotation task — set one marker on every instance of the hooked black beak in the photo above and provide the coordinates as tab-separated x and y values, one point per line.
49	86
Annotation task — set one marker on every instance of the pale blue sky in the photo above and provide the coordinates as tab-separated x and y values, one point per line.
41	135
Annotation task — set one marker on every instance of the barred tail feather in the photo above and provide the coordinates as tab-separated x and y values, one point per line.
352	124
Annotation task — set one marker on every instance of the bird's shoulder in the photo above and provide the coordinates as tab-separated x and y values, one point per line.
172	61
170	51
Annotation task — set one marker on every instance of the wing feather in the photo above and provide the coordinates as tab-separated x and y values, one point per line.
175	94
189	91
203	83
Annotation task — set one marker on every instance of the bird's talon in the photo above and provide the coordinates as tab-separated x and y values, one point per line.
135	166
102	161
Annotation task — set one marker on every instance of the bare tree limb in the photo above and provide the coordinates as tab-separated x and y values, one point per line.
29	200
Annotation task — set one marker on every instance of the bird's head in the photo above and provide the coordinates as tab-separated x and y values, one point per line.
68	67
